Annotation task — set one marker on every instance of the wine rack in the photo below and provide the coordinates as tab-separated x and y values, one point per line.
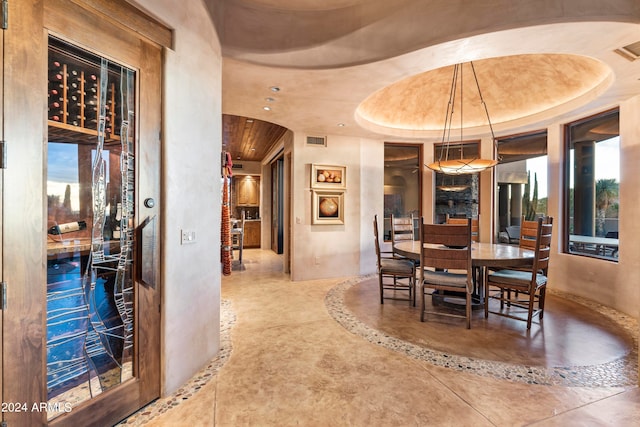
74	94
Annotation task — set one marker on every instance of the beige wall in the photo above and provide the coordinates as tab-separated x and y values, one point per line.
191	178
322	251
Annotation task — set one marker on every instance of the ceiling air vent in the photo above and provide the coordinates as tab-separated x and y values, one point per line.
630	51
319	141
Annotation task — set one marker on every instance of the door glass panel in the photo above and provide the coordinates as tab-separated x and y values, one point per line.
402	183
90	236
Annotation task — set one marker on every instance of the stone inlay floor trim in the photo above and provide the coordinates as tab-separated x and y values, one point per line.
618	373
199	380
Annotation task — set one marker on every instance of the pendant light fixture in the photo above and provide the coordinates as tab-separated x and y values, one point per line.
460	165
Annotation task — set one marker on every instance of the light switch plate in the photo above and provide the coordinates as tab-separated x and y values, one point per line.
187	236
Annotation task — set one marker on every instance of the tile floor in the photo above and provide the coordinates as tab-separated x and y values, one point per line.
326	353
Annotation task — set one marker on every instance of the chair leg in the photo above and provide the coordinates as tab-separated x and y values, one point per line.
468	310
381	289
541	301
422	303
486	298
532	300
412	293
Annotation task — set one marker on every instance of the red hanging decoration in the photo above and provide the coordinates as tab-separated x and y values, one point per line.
225	230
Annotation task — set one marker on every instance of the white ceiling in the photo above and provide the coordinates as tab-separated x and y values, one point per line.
378	66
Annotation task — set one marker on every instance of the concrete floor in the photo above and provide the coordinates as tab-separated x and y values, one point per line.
317	353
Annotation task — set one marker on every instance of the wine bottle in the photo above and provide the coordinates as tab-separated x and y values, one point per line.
68	227
55	76
59	113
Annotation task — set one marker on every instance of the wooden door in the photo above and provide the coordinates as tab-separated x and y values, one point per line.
23	75
101	394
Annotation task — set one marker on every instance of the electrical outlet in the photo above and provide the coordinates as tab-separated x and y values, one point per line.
187	236
317	260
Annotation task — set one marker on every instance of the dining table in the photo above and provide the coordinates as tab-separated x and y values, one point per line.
483	256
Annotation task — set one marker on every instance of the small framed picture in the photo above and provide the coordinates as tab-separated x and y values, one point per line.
328	207
326	176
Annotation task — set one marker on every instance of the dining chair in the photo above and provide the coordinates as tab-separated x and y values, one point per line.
530	283
475	237
529	231
445	257
401	228
402	231
475	226
401	271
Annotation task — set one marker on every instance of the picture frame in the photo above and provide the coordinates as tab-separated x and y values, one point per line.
328	207
328	176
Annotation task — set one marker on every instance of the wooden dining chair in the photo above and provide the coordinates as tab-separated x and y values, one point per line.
402	231
530	283
529	232
475	226
399	272
401	228
445	257
475	237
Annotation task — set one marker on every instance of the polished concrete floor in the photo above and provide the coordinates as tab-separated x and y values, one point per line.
326	353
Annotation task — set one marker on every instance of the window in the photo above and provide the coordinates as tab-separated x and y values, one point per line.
456	196
521	179
592	180
402	183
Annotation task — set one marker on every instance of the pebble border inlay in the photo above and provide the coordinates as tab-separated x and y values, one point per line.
618	373
160	406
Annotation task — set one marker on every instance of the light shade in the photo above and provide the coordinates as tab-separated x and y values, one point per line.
461	166
452	188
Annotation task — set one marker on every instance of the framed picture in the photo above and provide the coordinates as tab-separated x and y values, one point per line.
328	207
325	176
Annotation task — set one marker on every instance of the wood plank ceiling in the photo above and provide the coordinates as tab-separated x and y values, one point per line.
249	139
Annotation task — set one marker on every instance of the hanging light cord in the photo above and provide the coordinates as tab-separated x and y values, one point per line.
486	110
448	119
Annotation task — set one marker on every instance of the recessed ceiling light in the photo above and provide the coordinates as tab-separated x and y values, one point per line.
266	108
249	120
274	89
269	99
341	125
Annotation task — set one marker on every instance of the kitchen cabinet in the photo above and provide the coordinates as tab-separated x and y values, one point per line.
248	191
252	234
